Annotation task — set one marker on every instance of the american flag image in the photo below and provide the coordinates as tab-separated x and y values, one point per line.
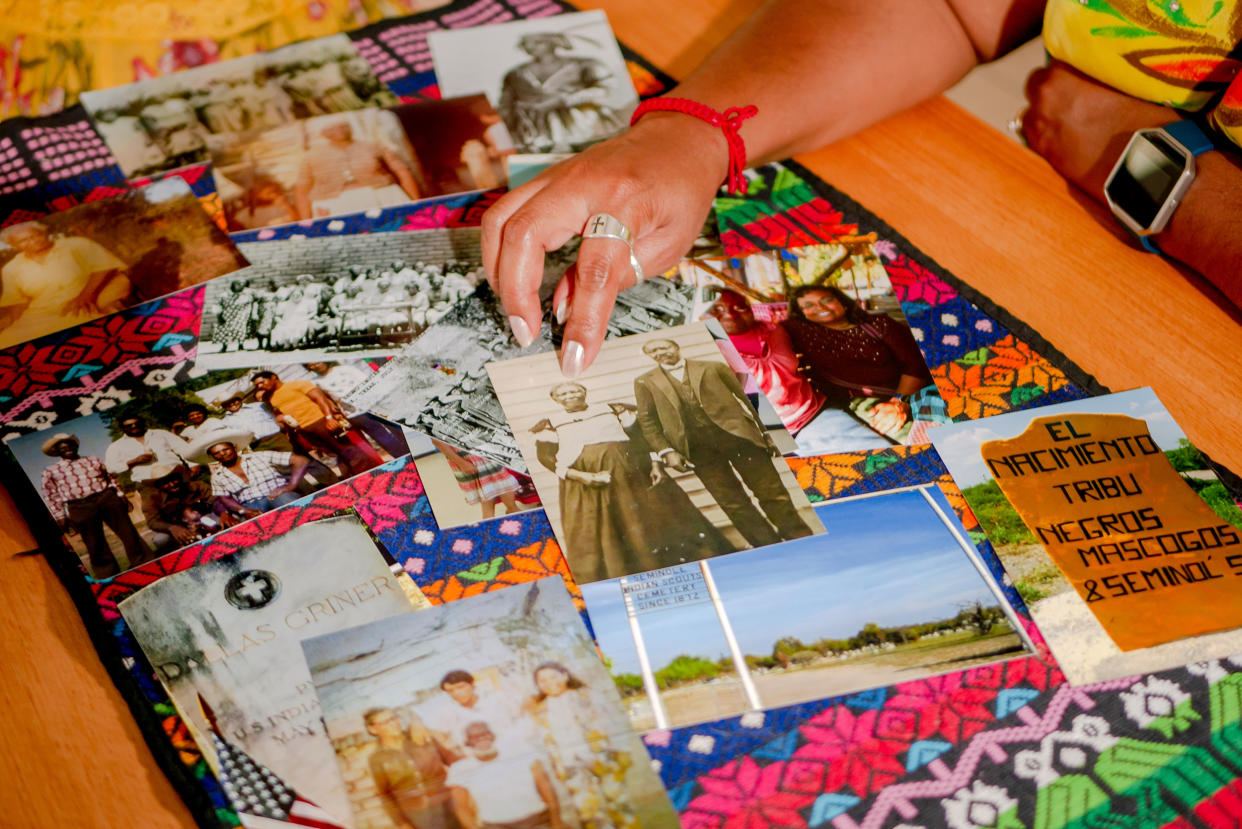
262	800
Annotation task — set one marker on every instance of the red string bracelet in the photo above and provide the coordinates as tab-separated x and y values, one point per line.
729	121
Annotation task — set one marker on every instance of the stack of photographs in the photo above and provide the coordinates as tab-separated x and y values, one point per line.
312	671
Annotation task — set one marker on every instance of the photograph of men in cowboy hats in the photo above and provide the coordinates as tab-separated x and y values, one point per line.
168	468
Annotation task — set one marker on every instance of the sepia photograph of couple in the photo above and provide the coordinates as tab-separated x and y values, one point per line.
651	458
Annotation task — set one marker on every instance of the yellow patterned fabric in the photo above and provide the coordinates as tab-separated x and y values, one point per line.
50	50
1172	52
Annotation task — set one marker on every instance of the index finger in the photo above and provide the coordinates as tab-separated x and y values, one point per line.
537	226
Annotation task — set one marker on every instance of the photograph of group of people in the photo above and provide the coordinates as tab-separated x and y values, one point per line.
652	457
355	296
822	333
483	713
172	467
173	120
560	83
103	256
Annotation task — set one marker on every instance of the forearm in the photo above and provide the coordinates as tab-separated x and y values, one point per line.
820	70
1206	229
230	503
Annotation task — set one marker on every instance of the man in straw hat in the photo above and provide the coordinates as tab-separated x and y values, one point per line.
248	483
83	496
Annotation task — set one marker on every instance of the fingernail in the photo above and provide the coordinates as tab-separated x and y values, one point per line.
562	311
572	358
521	331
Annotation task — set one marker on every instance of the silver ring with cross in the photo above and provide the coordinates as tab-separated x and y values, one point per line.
604	226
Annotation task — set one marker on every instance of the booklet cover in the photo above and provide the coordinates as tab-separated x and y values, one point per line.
488	711
223	640
1122	541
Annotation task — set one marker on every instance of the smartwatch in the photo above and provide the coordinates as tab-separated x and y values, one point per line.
1151	176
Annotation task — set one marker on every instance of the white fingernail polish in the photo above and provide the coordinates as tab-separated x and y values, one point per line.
521	331
562	311
572	358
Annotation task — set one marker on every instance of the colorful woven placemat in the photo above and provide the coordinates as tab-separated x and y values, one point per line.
1001	746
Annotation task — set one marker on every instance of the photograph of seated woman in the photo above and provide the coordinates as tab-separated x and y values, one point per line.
866	366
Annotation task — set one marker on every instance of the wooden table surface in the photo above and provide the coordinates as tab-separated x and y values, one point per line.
987	210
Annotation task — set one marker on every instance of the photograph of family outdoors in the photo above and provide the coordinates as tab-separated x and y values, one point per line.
484	712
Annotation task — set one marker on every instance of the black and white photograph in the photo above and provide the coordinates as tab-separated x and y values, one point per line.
336	297
560	83
176	465
652	457
351	162
489	712
438	384
173	120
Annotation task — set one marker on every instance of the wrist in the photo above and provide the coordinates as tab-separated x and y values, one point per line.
1205	232
702	146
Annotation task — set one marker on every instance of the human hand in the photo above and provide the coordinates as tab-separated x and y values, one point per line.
889	416
144	458
677	461
658	179
658	473
182	535
83	303
1081	126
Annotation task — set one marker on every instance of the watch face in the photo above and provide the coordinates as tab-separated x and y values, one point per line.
1145	177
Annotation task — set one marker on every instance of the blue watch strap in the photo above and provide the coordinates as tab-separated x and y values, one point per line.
1149	242
1190	136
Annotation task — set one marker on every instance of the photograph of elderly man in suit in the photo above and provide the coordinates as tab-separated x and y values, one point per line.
695	416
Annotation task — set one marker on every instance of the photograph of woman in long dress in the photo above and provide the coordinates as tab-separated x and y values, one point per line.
559	83
621	514
555	102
